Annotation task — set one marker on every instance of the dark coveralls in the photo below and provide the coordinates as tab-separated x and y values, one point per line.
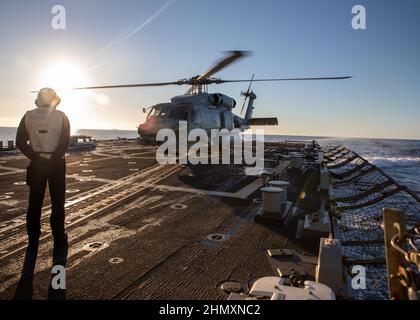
39	172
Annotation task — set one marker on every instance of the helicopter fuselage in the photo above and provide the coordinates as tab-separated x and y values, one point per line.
202	110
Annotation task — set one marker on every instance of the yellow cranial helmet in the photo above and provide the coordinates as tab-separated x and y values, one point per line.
47	97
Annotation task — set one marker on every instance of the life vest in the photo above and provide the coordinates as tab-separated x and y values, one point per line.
44	125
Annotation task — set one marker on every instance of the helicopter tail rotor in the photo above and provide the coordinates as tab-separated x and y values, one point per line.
246	94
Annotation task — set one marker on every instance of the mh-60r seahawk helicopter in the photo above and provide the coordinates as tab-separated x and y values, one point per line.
201	109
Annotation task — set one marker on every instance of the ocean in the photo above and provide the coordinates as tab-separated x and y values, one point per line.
399	158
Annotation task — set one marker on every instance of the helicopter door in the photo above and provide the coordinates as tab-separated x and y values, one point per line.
180	113
222	120
196	118
212	121
216	120
209	121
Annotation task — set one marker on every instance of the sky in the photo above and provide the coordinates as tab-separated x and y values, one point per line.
131	41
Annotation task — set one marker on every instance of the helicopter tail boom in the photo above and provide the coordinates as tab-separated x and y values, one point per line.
263	122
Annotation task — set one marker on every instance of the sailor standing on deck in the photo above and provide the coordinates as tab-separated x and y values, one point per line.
43	136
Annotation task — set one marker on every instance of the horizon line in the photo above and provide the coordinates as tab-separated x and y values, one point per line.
286	135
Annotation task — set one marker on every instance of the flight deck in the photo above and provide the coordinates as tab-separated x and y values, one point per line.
141	230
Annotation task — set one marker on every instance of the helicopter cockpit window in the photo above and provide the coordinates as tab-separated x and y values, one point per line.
160	112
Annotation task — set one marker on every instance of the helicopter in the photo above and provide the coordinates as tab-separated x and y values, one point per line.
201	109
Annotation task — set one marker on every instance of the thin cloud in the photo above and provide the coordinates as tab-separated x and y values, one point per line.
130	32
149	20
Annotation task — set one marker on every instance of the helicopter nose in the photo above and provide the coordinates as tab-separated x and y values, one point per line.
150	126
145	127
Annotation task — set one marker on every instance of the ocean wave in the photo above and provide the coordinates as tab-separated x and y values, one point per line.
375	159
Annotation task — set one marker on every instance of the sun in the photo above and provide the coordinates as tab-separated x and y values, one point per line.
64	74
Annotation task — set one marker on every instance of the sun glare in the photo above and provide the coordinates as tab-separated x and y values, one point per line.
64	74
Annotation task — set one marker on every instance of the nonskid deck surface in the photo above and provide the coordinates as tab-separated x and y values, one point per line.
139	230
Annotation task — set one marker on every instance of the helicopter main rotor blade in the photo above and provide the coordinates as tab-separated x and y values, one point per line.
194	81
231	58
136	85
286	79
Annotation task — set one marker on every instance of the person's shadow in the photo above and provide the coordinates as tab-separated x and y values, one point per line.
24	288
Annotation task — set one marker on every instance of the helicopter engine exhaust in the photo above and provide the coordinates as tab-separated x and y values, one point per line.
222	100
